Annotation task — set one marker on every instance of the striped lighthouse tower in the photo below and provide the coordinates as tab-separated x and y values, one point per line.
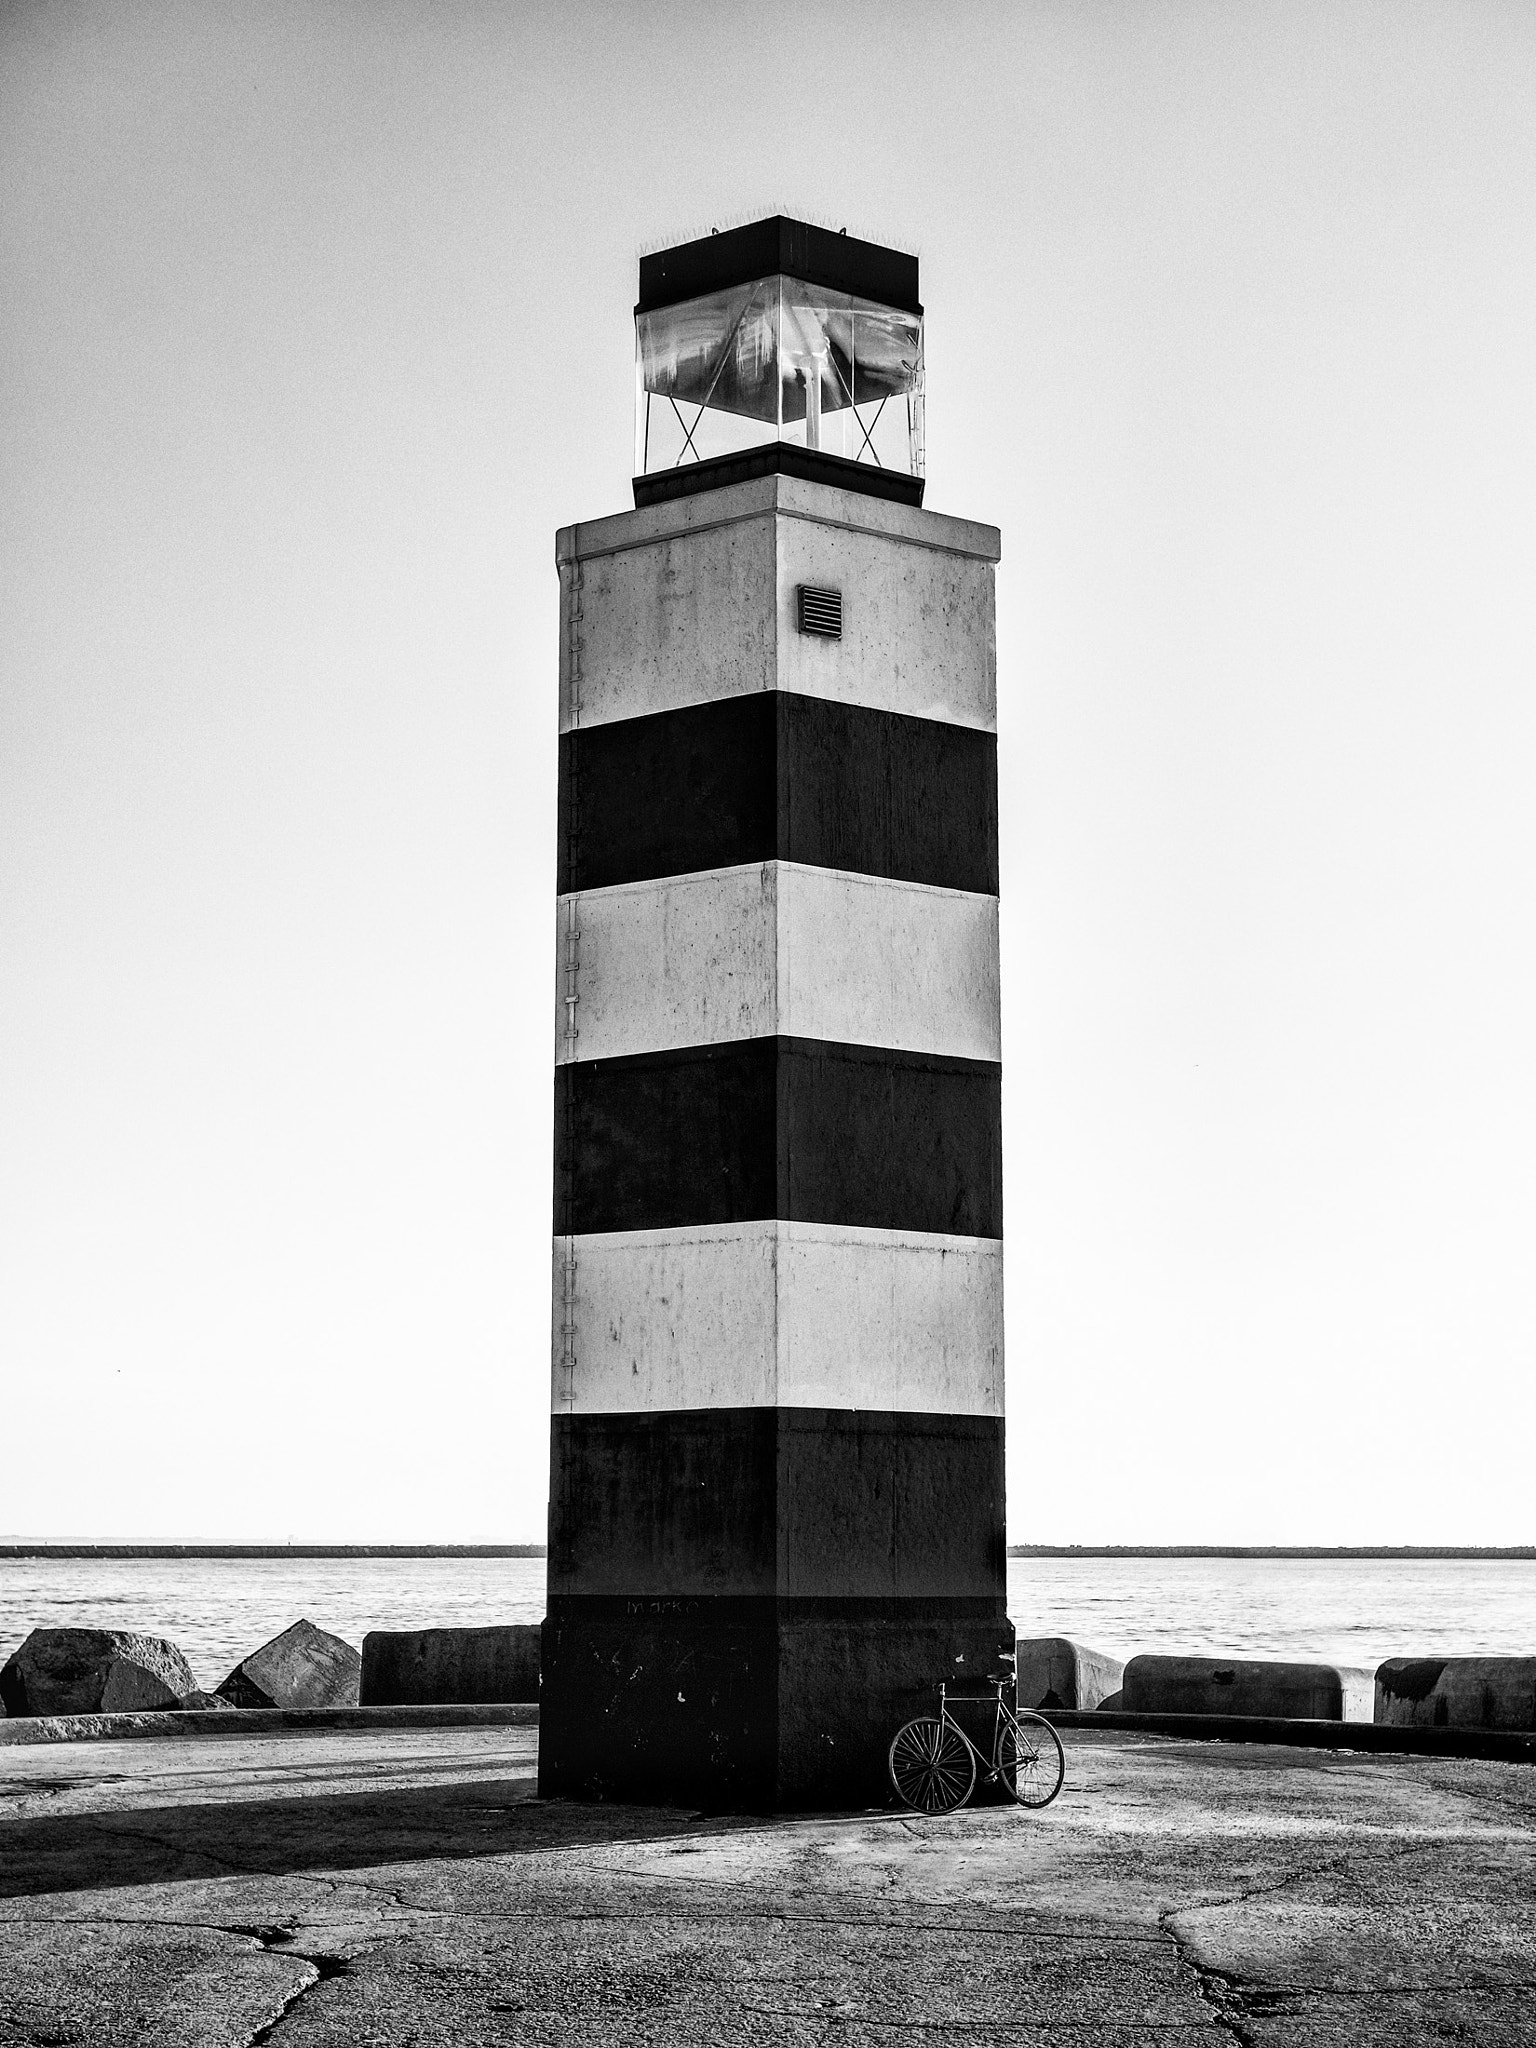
776	1513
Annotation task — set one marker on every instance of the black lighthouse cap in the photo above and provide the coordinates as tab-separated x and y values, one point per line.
793	248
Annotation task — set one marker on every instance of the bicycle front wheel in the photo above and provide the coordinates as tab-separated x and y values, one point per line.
932	1767
1029	1760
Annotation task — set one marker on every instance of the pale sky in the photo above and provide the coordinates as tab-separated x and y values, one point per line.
316	323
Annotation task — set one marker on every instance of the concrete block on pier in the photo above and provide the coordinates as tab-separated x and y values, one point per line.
303	1667
450	1667
1456	1692
1233	1685
1359	1692
1054	1671
93	1671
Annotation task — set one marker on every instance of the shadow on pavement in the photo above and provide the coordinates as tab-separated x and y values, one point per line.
320	1832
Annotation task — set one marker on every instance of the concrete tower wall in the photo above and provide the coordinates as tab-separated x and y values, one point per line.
776	1513
693	601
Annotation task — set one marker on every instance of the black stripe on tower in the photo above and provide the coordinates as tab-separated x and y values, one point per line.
798	1129
775	776
838	1512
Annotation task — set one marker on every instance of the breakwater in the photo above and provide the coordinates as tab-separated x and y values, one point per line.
266	1550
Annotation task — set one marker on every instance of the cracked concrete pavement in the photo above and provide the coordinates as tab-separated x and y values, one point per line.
382	1889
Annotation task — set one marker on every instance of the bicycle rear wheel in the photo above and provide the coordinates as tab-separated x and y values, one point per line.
1029	1760
932	1767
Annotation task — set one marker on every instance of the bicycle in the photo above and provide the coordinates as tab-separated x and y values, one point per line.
933	1763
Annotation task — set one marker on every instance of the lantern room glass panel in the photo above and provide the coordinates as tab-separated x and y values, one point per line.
779	360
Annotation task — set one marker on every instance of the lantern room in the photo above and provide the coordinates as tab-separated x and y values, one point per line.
778	346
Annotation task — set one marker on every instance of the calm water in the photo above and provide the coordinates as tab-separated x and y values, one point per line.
1352	1611
1346	1611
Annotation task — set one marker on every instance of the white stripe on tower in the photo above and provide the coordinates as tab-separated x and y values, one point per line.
738	555
787	1315
778	947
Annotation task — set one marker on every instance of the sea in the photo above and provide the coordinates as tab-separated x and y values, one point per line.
1349	1611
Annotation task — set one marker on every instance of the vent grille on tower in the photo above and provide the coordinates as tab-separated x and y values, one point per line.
821	611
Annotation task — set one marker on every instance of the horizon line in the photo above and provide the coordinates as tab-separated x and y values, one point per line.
13	1551
1299	1550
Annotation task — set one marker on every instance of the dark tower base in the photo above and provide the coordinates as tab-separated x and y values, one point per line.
745	1705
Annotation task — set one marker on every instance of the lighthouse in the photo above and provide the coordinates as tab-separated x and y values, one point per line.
776	1498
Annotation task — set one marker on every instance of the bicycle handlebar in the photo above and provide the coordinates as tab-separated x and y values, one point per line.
997	1680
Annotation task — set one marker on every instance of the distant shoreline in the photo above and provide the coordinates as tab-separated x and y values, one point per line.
273	1550
1301	1550
256	1550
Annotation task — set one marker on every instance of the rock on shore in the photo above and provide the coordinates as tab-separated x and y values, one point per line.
303	1667
94	1671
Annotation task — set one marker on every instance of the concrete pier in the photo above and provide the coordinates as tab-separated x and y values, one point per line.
378	1891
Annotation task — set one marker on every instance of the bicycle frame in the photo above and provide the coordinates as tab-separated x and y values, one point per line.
987	1771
